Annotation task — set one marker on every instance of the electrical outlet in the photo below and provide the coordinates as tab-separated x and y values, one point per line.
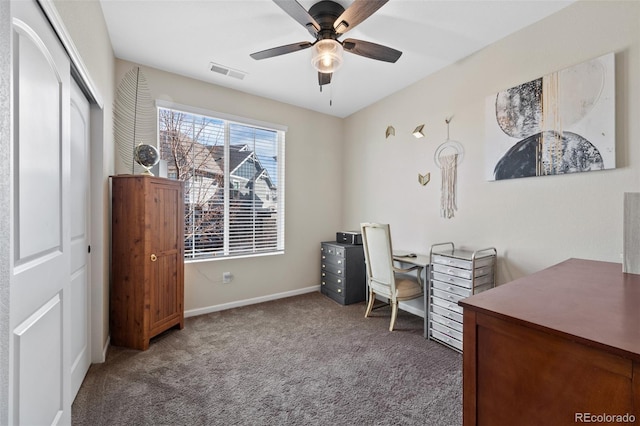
226	277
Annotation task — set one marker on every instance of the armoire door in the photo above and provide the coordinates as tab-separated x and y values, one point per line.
40	361
166	258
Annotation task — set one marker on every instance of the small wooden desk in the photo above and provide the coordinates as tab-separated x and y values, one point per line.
553	346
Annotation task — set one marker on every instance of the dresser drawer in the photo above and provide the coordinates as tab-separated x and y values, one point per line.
446	330
332	268
334	259
330	250
452	288
447	339
468	283
338	297
452	306
333	283
452	279
457	326
447	313
445	295
461	263
462	273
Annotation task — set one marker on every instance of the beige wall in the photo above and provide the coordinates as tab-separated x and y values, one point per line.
313	193
533	222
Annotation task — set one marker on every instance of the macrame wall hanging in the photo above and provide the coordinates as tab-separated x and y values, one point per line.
447	157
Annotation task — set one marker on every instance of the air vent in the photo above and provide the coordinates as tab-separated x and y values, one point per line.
237	74
221	69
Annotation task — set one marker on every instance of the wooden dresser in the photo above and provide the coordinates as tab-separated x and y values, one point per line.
147	259
554	348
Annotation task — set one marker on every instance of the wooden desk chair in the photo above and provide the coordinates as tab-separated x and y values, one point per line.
383	278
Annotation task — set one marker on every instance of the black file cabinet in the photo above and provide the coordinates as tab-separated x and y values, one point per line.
342	272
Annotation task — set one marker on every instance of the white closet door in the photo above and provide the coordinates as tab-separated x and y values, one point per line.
40	362
80	290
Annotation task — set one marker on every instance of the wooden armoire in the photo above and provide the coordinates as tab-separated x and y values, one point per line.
147	259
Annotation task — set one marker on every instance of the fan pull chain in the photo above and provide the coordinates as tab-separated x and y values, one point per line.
331	96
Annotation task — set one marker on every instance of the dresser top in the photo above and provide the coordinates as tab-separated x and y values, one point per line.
464	254
589	301
345	245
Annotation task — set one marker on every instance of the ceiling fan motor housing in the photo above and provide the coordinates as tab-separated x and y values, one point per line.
326	13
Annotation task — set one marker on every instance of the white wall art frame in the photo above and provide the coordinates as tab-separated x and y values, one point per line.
563	122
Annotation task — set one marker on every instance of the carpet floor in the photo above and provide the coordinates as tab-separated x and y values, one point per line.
303	360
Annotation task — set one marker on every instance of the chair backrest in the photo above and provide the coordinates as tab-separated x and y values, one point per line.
376	241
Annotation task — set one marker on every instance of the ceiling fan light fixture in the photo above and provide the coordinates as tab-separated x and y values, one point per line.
327	56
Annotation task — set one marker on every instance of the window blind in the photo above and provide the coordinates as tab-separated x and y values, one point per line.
233	174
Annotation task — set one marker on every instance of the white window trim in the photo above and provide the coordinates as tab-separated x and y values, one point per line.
221	115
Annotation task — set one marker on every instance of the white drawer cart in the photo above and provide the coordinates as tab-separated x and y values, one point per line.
454	275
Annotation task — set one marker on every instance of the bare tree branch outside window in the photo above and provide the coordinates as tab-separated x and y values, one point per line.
193	151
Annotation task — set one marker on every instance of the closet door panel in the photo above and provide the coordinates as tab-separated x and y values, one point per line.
40	236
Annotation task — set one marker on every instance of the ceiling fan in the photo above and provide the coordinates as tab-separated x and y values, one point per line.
326	21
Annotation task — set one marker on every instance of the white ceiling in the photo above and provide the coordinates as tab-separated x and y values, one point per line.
184	37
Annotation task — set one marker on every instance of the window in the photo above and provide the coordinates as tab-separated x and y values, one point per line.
233	174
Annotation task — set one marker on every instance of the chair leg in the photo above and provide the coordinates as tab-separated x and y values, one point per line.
394	313
372	299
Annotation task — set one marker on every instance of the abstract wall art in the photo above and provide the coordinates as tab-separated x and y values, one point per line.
563	122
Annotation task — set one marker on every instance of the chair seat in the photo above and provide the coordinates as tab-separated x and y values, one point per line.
407	287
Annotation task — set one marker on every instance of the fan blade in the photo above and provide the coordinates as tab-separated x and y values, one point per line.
356	13
300	14
281	50
324	78
371	50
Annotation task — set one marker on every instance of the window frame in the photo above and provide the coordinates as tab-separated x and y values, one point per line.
230	119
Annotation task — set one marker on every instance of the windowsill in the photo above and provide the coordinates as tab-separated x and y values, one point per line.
233	257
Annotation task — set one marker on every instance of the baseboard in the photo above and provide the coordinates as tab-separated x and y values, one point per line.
106	348
246	302
101	356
